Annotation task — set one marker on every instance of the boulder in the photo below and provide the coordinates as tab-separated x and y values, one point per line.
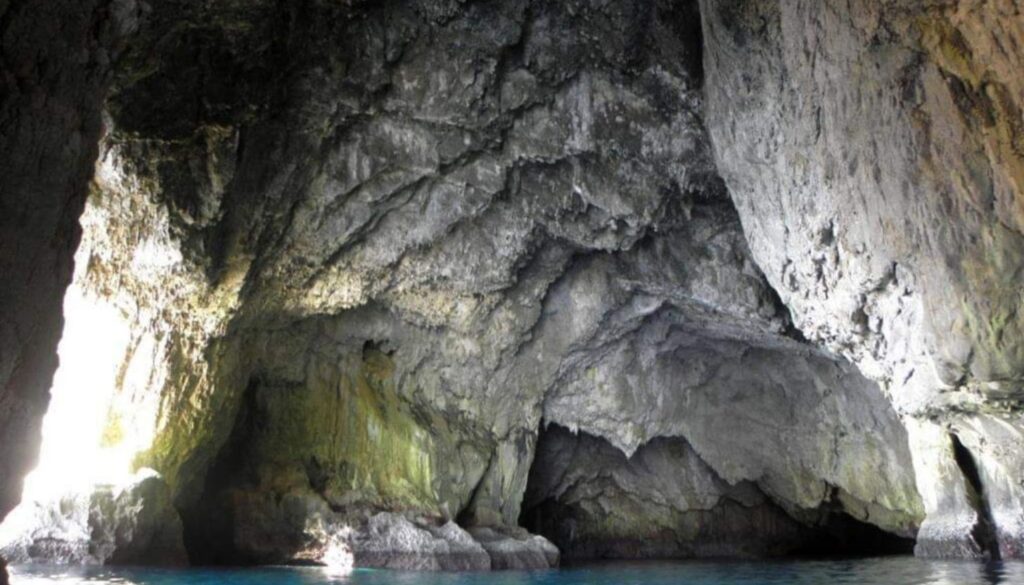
515	548
391	541
135	524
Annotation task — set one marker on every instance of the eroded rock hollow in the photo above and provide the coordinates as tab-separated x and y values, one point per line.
438	284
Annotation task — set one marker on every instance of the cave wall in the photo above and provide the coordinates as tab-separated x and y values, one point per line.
54	73
388	233
349	234
872	150
662	501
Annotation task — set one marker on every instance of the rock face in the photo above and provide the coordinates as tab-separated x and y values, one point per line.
873	152
130	525
367	250
513	548
53	79
664	501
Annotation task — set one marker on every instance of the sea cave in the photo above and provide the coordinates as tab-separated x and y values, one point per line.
711	291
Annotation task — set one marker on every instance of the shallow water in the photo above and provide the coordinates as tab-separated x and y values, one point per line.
887	571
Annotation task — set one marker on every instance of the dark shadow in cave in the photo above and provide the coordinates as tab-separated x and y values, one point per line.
843	536
984	532
554	509
207	522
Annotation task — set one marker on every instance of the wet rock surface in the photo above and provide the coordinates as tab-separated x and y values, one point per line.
512	548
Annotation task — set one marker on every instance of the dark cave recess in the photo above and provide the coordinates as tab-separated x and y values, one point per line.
574	475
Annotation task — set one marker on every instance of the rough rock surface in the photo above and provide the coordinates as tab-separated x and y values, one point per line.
134	524
513	548
661	502
388	241
390	269
873	152
390	541
54	72
367	249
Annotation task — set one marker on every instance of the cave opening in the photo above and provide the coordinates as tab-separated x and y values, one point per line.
84	442
840	535
102	411
581	490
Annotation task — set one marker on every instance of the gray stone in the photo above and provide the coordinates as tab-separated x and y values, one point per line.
661	502
869	150
516	549
393	542
368	250
134	524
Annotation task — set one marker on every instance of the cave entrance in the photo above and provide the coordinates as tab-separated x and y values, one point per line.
595	503
840	535
97	419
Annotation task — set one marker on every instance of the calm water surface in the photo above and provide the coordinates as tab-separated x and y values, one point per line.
888	571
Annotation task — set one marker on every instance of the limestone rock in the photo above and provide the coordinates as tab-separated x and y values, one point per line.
366	250
134	524
384	245
393	542
375	312
516	549
870	151
661	502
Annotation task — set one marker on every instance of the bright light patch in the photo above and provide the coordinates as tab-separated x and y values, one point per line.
337	558
91	351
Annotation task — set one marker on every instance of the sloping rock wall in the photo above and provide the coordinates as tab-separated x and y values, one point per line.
872	150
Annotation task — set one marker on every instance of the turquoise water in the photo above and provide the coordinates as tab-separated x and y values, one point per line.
888	571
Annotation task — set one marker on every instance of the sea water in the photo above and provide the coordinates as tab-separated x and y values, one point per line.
883	571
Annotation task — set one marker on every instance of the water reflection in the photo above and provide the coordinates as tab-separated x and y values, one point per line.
888	571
